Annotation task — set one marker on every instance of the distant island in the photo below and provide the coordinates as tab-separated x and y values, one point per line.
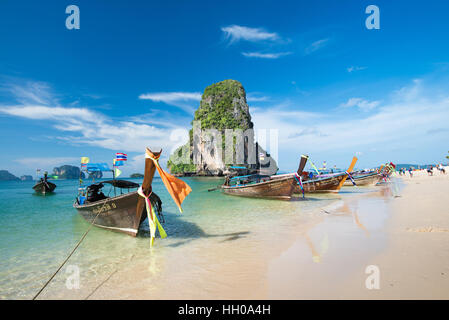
68	172
136	175
6	176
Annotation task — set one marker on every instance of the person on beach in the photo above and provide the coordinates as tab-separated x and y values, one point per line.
441	169
430	171
410	171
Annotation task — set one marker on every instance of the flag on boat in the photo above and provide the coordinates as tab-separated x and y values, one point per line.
117	172
314	167
118	163
85	160
119	156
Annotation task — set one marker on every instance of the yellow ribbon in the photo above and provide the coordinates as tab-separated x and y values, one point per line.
152	217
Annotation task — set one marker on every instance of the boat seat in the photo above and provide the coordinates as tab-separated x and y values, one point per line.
94	193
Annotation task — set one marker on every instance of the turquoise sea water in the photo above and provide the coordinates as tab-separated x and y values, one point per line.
39	231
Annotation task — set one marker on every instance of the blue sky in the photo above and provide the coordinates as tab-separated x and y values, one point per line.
133	73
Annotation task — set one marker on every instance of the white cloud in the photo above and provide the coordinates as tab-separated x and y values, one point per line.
399	123
37	112
170	97
41	162
84	126
235	33
355	68
362	104
256	97
316	45
178	99
93	128
32	93
261	55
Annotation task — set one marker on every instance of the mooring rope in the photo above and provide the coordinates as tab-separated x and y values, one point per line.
71	253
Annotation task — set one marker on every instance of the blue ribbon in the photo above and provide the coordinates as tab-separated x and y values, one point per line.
350	178
299	180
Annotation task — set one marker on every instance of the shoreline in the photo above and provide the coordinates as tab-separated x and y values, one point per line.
409	249
318	254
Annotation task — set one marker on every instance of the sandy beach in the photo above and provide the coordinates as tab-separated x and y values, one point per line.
409	247
401	230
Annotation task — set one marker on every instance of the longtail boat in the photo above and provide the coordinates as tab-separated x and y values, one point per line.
43	186
325	183
364	179
385	171
278	187
125	212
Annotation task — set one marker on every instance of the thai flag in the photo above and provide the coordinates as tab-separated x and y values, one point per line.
121	156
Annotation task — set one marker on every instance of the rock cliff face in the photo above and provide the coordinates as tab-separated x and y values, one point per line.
68	172
212	150
6	176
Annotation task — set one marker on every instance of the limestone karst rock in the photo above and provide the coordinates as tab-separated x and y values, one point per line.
223	107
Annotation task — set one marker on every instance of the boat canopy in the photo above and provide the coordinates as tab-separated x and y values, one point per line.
122	184
95	167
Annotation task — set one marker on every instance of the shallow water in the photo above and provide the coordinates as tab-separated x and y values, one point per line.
38	232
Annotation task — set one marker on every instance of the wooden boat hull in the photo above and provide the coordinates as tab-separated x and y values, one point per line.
42	187
117	213
280	189
364	180
326	184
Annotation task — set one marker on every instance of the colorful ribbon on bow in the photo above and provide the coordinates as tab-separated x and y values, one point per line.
299	180
350	178
152	217
177	188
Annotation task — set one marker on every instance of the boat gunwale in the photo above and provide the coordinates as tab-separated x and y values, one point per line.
324	178
102	201
258	183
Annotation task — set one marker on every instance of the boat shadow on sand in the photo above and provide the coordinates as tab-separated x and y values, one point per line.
175	226
186	231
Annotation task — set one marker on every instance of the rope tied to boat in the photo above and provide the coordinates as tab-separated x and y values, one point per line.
152	217
299	181
71	253
350	178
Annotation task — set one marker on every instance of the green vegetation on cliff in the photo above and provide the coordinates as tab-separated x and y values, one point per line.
223	106
181	167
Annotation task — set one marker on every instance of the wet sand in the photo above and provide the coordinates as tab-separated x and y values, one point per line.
406	237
